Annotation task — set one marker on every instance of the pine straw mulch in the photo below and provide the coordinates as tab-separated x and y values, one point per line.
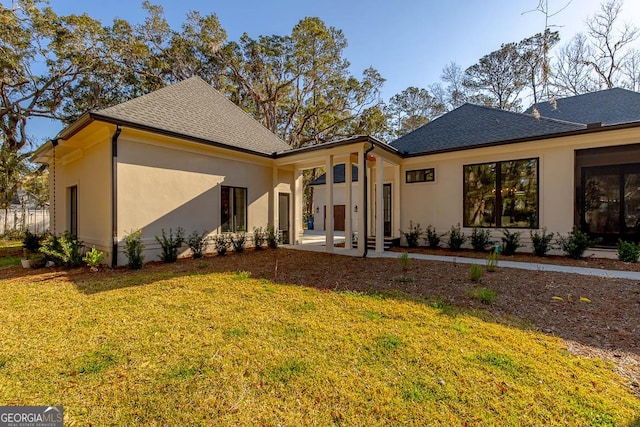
595	317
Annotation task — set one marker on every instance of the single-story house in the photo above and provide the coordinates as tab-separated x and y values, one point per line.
185	156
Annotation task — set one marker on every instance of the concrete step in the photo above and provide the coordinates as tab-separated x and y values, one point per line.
371	243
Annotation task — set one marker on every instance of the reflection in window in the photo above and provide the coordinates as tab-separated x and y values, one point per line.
420	175
233	209
501	194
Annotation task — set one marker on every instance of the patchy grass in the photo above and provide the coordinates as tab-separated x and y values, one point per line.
484	295
226	349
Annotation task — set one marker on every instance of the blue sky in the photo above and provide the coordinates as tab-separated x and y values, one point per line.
407	41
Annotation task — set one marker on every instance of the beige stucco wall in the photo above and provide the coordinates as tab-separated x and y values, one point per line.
84	161
440	203
167	183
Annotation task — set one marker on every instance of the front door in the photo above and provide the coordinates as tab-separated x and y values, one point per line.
338	217
283	217
386	209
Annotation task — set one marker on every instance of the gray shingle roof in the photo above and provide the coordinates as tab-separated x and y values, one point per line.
195	109
610	106
338	175
472	125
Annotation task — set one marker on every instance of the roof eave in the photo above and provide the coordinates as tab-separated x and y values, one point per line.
340	142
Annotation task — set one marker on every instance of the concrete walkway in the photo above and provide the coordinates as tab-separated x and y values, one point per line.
315	243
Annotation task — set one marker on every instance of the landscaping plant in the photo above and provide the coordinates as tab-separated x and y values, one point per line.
222	243
197	243
628	251
541	241
492	262
456	238
93	258
575	243
476	272
64	251
480	239
258	237
170	244
31	242
484	295
413	235
133	248
510	241
433	238
238	241
273	237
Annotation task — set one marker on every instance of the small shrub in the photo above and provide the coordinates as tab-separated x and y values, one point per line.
133	249
222	243
433	238
273	237
541	241
510	241
64	251
456	238
31	242
575	243
476	272
628	251
243	275
197	243
258	237
170	244
93	258
413	235
484	295
405	261
492	262
480	239
238	241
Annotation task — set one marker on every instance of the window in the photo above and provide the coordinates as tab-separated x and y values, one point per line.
421	175
234	209
73	210
501	194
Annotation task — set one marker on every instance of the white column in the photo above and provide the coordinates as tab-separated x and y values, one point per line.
274	205
395	190
348	227
297	208
362	206
329	209
379	204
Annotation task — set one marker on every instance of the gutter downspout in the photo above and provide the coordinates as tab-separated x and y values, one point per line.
114	195
366	202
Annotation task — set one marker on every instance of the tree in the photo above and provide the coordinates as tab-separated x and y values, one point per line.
410	109
533	54
572	74
452	92
610	42
500	76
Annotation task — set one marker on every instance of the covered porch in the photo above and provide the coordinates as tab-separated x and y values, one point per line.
369	207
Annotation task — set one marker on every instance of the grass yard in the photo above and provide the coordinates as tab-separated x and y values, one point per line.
197	347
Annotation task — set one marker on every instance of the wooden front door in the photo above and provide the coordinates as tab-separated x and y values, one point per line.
283	217
338	217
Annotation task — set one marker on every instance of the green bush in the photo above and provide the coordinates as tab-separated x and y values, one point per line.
64	251
484	295
238	241
433	238
93	258
222	243
170	244
133	249
197	243
273	237
480	239
476	272
510	242
413	235
628	251
492	262
31	242
575	243
456	238
541	241
259	237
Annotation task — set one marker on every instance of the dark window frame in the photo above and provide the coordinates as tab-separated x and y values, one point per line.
498	195
426	173
73	210
232	227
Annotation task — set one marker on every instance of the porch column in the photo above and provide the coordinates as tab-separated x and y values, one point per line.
348	227
274	205
297	208
396	200
362	206
329	209
379	204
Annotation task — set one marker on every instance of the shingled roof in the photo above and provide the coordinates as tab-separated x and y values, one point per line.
472	125
609	107
194	109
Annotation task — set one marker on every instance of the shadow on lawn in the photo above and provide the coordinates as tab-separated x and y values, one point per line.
599	313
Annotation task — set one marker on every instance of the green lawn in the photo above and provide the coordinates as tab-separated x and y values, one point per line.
150	348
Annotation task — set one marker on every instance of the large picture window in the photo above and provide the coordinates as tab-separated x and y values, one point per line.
234	209
501	194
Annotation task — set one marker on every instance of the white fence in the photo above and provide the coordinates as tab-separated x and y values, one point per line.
18	218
